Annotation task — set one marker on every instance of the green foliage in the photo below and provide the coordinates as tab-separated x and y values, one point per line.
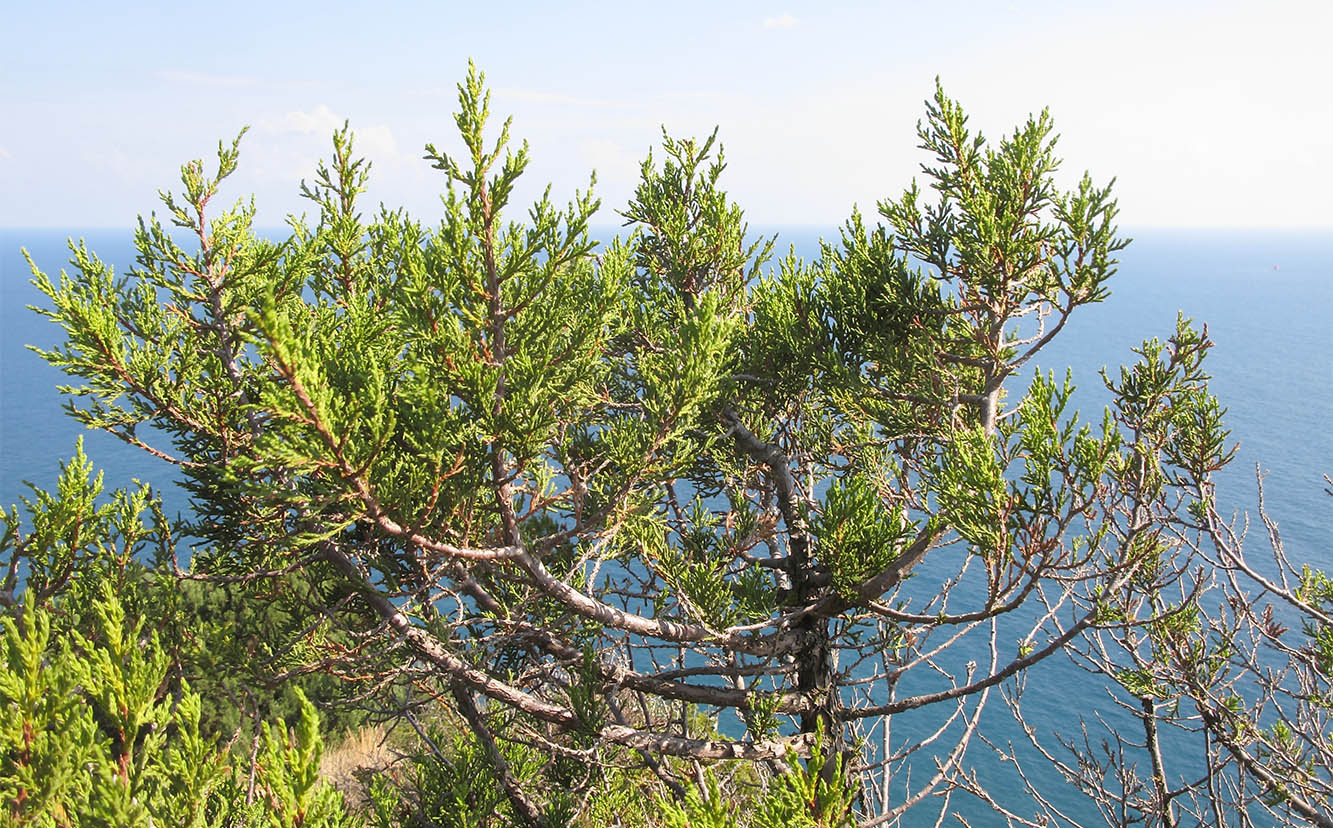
1140	683
250	645
46	728
1316	589
91	738
1164	400
857	539
803	796
703	572
702	808
808	797
450	784
289	767
694	239
66	548
986	223
973	493
79	538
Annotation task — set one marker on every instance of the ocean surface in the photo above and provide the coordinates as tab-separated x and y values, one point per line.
1266	297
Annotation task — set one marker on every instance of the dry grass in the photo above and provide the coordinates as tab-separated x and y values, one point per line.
362	752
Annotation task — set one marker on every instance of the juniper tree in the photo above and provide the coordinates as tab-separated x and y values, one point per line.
580	492
1220	658
1218	661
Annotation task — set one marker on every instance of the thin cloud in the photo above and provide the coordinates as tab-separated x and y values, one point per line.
538	97
321	121
610	158
376	140
782	21
207	79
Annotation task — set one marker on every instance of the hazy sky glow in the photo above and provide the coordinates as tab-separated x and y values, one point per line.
1208	114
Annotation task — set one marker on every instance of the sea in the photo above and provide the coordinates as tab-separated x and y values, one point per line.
1266	297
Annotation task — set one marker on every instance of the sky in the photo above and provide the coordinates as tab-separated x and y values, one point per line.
1212	114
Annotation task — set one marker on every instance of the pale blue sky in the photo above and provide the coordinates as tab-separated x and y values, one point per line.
1209	114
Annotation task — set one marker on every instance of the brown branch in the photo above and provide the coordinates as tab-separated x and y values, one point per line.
528	812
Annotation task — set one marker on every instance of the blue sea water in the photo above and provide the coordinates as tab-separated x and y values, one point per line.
1266	296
